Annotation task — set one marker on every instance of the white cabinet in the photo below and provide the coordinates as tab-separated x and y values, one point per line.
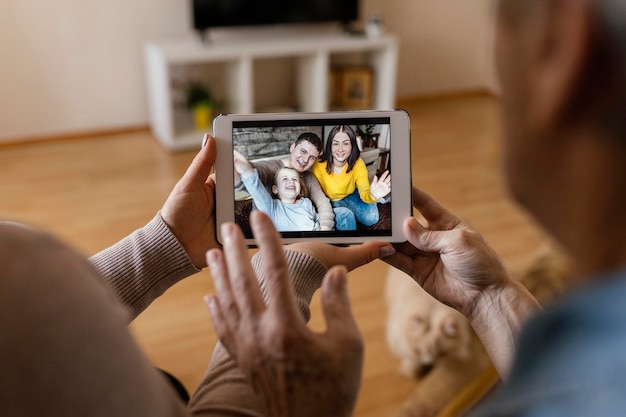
313	56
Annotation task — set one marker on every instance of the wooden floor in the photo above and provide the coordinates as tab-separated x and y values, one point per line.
94	191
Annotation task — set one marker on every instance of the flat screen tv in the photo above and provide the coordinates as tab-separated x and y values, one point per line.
209	14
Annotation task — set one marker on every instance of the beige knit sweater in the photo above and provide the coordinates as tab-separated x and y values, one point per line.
145	264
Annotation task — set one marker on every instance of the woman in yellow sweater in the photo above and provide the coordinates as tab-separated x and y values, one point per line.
343	176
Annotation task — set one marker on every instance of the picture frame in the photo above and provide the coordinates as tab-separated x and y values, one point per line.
355	88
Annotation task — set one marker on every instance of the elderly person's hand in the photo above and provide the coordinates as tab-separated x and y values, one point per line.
455	265
189	211
294	370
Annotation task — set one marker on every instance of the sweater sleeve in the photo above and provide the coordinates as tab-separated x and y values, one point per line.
321	201
267	170
261	197
363	182
144	265
224	389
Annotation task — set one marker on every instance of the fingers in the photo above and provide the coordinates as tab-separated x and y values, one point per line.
202	164
385	177
424	239
242	166
351	257
221	324
423	246
222	306
355	256
211	181
380	187
336	304
235	283
424	243
335	300
432	211
277	279
239	301
410	260
402	262
237	158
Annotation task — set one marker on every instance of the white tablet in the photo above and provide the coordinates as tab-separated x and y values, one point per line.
334	177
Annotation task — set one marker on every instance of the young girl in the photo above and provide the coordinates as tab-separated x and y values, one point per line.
291	211
343	176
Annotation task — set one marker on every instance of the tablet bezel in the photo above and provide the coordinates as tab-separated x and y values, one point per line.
399	167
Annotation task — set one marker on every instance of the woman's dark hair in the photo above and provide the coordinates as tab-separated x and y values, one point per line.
327	155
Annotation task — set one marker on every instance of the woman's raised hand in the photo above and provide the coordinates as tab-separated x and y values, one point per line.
380	187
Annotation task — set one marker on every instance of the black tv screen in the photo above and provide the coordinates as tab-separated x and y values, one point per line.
227	13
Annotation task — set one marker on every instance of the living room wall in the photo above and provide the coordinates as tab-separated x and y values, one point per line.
445	45
70	66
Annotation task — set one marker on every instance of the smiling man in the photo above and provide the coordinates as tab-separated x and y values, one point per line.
302	155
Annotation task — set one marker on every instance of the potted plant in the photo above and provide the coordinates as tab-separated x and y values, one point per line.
367	135
200	101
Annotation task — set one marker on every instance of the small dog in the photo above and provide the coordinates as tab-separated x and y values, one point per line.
420	329
549	274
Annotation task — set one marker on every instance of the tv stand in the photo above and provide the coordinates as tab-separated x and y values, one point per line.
204	37
313	54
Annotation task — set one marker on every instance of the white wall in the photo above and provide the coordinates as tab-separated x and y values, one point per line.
77	65
446	45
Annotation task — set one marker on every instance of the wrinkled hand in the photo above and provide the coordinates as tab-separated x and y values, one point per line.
295	371
449	260
189	211
456	266
380	187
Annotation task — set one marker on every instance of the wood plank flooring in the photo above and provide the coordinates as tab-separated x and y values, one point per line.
94	191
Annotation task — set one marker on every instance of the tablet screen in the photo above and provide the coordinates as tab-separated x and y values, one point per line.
315	177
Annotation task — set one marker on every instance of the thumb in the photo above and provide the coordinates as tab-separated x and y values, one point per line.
427	240
336	303
357	255
201	166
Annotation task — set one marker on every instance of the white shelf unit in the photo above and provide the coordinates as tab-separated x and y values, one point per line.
313	55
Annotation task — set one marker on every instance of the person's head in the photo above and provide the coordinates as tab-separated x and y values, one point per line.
288	186
341	148
562	70
304	151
